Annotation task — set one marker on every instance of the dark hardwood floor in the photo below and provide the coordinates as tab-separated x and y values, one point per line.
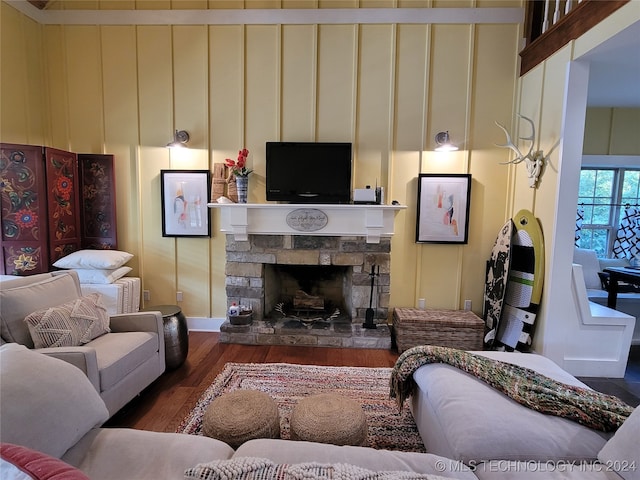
163	405
627	388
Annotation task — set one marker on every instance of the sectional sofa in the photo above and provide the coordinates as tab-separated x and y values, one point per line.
51	414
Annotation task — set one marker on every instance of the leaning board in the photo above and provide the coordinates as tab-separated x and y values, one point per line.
496	282
524	287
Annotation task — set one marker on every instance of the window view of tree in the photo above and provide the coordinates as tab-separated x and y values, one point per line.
603	195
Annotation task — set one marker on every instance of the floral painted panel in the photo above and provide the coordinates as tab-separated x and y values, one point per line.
24	227
98	202
63	199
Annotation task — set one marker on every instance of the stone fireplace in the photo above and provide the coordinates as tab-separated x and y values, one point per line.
305	287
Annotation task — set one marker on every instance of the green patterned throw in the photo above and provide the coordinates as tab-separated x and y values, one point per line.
589	408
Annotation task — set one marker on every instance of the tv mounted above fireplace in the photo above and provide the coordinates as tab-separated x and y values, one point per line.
308	172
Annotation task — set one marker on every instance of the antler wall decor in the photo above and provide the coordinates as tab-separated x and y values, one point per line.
534	161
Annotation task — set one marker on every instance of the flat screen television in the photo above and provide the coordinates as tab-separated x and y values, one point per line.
308	172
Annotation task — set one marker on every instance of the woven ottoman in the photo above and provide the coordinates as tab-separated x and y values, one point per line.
459	329
241	415
328	418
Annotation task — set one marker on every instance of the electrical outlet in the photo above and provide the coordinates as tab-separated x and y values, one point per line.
146	295
178	296
467	305
422	304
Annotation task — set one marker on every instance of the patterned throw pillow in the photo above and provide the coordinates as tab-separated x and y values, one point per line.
71	324
249	468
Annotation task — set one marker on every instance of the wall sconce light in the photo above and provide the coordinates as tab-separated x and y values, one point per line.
444	143
180	139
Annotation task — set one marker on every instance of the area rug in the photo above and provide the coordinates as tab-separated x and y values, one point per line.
288	383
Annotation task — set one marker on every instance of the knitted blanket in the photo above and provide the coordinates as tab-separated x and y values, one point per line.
589	408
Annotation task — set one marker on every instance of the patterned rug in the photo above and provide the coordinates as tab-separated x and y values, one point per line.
288	383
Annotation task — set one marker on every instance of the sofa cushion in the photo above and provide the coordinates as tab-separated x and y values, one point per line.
18	302
36	465
461	417
286	451
249	468
125	453
71	324
46	404
119	354
590	266
94	259
622	452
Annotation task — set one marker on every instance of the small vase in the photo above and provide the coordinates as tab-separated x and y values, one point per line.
242	184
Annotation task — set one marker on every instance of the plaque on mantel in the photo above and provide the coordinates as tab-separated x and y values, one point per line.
307	219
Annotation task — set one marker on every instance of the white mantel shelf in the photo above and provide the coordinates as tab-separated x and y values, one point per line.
244	219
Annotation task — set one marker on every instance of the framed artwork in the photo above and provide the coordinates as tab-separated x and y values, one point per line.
443	208
184	203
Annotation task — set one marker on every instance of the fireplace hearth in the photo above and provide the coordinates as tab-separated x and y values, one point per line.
275	274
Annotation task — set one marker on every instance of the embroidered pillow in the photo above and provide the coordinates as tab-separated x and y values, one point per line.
71	324
101	276
260	468
24	462
109	259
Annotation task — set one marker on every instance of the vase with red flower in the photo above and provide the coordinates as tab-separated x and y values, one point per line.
241	172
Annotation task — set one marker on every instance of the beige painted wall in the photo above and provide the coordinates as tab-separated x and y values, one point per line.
387	88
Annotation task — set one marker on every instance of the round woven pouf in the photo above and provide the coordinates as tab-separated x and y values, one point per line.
241	415
328	418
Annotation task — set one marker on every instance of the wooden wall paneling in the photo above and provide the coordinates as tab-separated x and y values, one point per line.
13	76
120	94
440	269
23	207
63	202
495	82
336	91
57	88
374	97
298	86
412	46
156	126
191	106
226	113
84	64
98	206
262	96
36	102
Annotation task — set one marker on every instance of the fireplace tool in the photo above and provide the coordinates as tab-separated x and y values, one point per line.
368	315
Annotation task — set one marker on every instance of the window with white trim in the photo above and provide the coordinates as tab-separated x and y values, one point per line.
603	195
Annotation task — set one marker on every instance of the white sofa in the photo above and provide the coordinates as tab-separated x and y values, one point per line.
462	418
628	303
119	364
39	413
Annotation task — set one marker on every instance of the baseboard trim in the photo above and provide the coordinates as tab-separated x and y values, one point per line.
204	324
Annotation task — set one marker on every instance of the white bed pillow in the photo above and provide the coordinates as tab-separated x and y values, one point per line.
101	276
103	259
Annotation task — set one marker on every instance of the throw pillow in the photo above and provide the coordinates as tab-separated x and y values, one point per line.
36	465
101	276
94	259
621	453
249	468
590	267
71	324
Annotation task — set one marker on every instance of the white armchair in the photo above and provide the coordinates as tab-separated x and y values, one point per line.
119	364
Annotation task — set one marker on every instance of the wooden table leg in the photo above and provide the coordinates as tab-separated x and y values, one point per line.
613	291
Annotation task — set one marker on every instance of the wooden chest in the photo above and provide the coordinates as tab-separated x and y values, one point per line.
448	328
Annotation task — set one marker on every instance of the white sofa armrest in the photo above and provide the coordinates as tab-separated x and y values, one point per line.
82	357
150	321
137	322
